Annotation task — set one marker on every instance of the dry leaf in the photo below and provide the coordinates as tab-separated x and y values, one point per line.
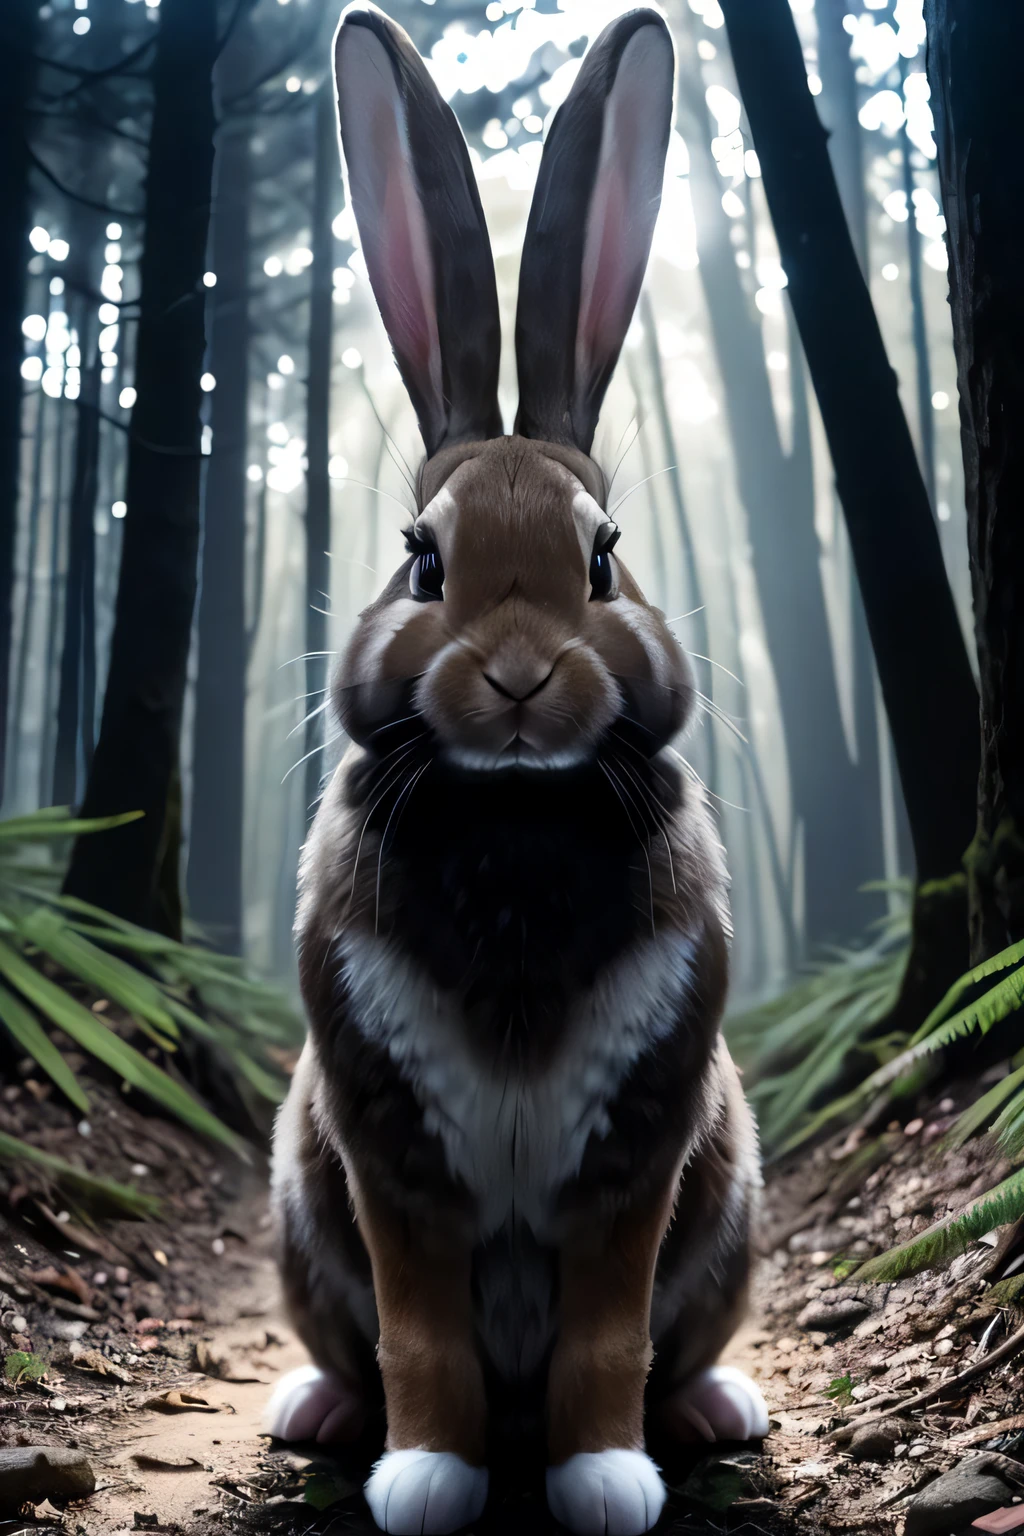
46	1511
181	1402
91	1360
62	1280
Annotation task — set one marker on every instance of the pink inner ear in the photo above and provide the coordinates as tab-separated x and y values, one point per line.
389	214
407	277
602	320
624	203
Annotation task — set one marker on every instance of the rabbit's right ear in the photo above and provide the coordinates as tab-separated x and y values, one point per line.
590	228
412	190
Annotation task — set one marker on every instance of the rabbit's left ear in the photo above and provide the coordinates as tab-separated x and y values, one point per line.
590	228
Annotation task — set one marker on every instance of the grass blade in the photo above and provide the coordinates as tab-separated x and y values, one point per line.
32	1037
103	1043
129	1201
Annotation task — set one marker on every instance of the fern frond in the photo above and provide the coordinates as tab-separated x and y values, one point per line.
952	1236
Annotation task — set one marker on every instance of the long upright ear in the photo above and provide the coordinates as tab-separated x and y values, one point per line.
590	228
412	190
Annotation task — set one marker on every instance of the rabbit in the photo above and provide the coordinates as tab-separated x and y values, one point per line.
515	1166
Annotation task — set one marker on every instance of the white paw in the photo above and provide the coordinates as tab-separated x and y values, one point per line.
723	1404
425	1493
606	1493
308	1404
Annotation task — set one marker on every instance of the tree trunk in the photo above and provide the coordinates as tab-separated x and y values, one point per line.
837	108
922	661
778	497
318	485
974	50
76	697
28	609
218	761
18	28
136	764
54	606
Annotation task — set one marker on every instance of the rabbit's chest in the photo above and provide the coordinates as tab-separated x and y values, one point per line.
515	1138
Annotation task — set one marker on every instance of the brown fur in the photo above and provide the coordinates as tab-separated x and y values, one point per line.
515	1161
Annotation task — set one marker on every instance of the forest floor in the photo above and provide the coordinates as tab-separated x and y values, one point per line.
161	1341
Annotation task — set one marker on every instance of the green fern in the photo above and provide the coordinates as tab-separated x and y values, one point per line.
939	1031
977	1115
154	979
795	1046
952	1236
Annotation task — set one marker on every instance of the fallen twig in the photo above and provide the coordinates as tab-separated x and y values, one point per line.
983	1432
953	1384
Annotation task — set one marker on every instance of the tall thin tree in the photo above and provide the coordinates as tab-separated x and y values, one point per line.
19	22
974	53
922	661
777	493
318	391
218	755
136	766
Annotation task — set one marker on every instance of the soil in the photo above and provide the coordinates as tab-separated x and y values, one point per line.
161	1340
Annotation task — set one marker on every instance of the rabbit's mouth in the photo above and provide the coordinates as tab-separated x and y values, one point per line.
522	711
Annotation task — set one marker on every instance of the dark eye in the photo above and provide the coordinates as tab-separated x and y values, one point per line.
426	579
602	575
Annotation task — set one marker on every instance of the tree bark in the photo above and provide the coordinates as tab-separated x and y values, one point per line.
218	760
318	485
19	24
922	661
76	696
132	870
974	49
776	492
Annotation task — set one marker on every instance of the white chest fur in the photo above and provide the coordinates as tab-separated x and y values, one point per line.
514	1142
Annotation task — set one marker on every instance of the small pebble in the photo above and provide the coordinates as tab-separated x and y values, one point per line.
121	1275
946	1106
14	1322
160	1256
99	1278
58	1404
63	1216
218	1246
84	1128
139	1170
912	1127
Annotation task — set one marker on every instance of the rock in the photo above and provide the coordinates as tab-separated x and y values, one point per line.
43	1472
877	1442
972	1488
832	1312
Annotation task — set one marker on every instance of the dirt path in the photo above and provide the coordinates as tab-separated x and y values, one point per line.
122	1314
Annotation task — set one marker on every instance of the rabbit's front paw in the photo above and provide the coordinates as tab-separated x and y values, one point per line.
721	1404
309	1404
606	1493
428	1492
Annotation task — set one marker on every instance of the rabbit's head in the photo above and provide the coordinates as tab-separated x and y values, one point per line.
512	634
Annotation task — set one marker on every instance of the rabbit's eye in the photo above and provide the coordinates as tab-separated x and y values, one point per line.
426	579
602	574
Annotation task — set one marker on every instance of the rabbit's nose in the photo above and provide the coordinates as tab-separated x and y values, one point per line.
518	680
